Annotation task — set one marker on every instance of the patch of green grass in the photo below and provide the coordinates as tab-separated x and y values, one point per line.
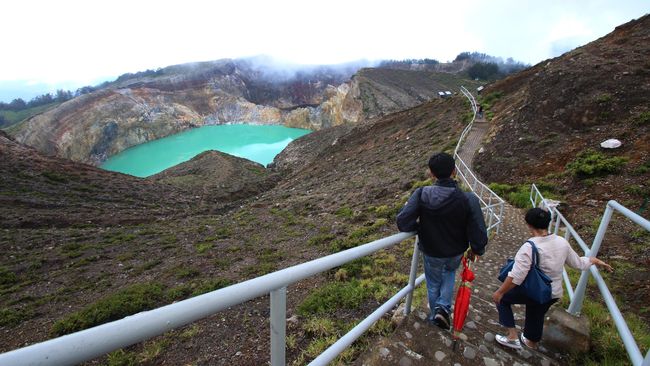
211	285
320	327
320	239
10	317
13	117
118	237
519	195
591	163
421	183
643	168
346	295
55	177
202	247
7	277
183	271
360	235
127	301
190	332
121	358
355	268
607	347
641	119
319	345
125	256
604	98
220	233
344	212
257	170
267	262
86	261
387	212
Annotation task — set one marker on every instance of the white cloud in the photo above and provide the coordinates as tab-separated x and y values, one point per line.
82	41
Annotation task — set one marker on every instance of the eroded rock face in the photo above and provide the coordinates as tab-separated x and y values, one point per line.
131	111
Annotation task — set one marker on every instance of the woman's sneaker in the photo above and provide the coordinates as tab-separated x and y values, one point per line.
441	319
504	341
528	343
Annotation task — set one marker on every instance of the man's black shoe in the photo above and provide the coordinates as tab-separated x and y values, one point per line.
441	319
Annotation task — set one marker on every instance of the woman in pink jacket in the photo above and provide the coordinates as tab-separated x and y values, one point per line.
554	252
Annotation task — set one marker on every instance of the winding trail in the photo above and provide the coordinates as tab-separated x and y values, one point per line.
417	342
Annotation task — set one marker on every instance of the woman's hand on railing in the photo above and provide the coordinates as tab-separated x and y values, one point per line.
597	262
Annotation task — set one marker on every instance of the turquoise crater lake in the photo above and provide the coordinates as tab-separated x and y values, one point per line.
253	142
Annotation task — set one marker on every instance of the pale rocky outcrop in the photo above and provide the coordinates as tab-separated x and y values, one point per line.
95	126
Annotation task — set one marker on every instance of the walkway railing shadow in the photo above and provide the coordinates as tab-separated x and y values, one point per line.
94	342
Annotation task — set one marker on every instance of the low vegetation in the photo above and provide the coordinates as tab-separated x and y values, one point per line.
125	302
518	195
606	345
591	163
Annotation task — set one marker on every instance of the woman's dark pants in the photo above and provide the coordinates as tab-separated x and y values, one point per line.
534	323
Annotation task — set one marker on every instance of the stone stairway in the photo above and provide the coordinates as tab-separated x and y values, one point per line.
418	342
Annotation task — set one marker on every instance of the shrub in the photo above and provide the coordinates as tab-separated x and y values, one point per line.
590	163
125	302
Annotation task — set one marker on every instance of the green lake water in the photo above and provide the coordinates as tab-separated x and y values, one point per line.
253	142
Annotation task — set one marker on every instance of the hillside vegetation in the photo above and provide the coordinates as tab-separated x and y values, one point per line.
547	123
84	246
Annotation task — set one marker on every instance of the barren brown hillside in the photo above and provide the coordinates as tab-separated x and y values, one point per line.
547	126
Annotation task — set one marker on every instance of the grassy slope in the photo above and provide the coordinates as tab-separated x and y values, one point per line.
13	117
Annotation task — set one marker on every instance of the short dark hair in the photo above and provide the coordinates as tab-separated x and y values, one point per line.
538	218
441	165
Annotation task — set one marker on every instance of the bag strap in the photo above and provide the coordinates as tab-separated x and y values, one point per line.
535	255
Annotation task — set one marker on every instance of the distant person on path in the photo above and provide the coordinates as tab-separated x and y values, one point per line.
480	111
553	253
448	222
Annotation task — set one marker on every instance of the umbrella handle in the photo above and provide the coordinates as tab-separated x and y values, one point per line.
466	261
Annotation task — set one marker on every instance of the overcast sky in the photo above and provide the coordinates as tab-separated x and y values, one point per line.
72	43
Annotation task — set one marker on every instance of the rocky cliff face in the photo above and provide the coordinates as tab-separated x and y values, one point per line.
135	110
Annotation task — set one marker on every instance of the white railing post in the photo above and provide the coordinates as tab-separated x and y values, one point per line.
579	294
490	212
646	362
278	326
412	275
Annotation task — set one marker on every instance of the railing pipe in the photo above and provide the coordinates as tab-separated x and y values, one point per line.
576	304
334	350
567	284
94	342
412	275
573	232
626	336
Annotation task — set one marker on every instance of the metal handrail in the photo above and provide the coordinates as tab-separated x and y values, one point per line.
91	343
465	173
577	296
94	342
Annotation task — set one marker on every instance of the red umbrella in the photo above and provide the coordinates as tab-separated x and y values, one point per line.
461	307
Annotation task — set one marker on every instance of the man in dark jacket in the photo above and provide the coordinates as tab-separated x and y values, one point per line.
450	221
